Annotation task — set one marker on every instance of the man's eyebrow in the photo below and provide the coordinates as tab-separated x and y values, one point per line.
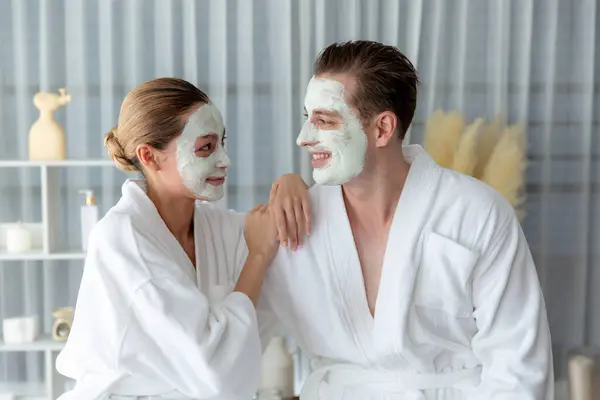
326	112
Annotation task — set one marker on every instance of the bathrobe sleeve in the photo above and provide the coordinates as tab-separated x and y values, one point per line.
267	321
200	350
513	339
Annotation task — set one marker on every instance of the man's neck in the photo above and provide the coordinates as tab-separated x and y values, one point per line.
374	194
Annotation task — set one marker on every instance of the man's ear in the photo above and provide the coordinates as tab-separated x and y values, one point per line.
145	155
386	124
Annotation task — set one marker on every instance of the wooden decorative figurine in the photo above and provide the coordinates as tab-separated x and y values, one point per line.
46	136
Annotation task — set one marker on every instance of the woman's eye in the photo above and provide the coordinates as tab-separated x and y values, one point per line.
206	147
223	140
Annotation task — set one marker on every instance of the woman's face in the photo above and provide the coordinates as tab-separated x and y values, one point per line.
195	163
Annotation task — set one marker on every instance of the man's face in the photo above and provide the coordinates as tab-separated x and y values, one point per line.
332	132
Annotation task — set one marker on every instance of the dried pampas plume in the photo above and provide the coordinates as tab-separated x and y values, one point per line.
465	158
490	133
506	167
442	136
490	152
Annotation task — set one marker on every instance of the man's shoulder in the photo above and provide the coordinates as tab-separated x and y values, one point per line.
317	189
472	195
319	195
472	206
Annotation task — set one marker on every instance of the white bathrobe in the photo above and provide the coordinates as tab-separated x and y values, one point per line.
147	323
459	313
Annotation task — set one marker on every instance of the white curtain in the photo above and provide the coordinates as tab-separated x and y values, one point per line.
530	60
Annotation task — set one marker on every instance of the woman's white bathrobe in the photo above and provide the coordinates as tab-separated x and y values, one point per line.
147	323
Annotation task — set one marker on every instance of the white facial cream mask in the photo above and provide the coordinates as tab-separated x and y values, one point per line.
346	146
194	170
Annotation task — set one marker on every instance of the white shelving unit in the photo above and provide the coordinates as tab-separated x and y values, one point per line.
25	391
54	383
46	248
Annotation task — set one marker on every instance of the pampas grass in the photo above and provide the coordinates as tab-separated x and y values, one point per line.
490	133
443	135
506	167
465	157
488	151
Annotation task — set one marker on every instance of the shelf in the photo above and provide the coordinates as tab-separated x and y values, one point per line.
58	163
23	390
38	254
43	343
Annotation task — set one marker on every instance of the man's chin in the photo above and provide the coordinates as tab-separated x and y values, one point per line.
330	176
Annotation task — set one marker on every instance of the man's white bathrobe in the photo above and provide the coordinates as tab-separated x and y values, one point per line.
459	313
147	323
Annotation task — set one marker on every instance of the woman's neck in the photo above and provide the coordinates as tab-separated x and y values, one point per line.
177	212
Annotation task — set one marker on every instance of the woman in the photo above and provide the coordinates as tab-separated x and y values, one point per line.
166	308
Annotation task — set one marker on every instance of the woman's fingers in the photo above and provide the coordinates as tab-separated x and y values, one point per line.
292	226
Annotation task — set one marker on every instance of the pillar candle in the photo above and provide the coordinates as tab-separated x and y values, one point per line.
18	239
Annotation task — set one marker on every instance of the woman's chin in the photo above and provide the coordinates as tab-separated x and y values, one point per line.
212	195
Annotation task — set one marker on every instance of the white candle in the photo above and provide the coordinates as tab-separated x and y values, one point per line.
20	329
18	239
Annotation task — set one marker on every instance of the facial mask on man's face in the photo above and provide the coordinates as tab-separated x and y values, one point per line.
340	154
195	170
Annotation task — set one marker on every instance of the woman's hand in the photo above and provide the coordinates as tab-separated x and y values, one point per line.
290	206
261	238
261	233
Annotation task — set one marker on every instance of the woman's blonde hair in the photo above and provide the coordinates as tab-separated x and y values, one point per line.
151	114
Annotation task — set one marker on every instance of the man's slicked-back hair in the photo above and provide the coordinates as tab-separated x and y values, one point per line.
386	79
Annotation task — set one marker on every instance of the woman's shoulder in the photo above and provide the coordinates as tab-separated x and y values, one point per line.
125	249
113	227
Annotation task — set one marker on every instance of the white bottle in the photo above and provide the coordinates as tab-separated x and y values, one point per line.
277	369
89	217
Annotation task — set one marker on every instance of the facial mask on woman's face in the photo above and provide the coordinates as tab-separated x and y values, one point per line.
199	174
339	155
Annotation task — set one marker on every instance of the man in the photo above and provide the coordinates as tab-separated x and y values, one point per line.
416	282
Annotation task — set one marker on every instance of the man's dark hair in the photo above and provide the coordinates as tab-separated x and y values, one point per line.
386	79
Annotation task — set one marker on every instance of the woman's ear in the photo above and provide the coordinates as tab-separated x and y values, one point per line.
386	124
145	155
